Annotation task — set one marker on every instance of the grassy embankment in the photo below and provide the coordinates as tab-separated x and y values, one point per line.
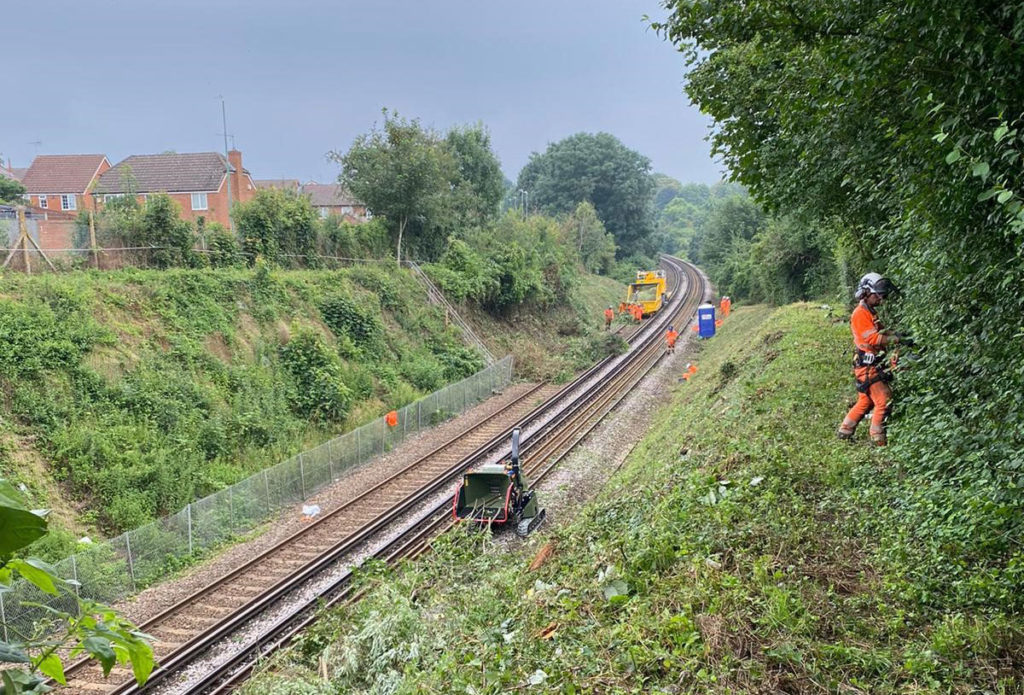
128	394
742	548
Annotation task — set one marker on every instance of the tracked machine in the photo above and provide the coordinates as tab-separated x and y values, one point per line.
649	292
499	494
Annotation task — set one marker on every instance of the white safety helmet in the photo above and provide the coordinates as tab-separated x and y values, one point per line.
873	283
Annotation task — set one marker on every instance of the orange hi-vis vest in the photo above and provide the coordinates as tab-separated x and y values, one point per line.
867	331
609	314
670	338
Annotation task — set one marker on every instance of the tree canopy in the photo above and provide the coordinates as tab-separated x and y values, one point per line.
10	190
400	171
599	169
898	122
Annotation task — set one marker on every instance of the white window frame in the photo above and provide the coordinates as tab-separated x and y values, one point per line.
107	197
346	209
204	202
42	202
68	202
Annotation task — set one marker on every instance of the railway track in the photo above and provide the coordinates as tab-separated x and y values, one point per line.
192	627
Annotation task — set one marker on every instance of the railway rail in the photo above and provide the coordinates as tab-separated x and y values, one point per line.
413	501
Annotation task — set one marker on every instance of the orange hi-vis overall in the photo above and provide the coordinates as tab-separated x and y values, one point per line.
608	316
872	379
670	339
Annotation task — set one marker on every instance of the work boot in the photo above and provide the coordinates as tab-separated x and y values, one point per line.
844	434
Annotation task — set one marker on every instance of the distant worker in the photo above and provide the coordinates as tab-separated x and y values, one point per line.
638	313
608	316
870	341
670	340
724	305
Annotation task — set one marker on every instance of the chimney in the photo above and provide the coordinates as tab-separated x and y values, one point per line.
237	185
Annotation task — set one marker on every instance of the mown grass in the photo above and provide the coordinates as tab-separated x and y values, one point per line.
739	550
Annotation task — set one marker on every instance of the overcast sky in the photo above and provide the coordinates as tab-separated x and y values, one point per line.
303	77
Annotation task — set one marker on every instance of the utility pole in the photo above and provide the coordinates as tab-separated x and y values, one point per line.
227	160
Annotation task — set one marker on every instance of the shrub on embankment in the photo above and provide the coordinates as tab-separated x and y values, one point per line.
742	548
142	390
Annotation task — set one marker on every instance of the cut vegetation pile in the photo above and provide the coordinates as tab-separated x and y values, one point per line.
741	549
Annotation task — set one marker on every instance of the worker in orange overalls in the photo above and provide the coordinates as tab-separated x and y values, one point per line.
870	341
670	340
728	305
608	316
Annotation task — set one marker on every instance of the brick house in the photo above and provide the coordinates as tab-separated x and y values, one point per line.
196	181
63	181
331	199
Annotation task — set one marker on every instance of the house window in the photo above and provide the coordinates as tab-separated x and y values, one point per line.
323	213
112	196
67	201
346	209
198	201
42	201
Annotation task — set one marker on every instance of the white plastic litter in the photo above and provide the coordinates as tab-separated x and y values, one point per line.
310	510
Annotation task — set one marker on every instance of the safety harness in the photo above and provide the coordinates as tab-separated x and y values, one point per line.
876	370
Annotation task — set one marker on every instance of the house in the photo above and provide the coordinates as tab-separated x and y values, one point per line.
9	172
197	181
332	199
292	185
63	181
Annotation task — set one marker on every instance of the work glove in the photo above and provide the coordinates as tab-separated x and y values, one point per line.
905	340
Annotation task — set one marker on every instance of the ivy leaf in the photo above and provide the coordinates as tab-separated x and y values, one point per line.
981	169
953	156
1004	196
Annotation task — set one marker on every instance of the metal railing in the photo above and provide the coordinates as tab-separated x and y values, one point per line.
437	297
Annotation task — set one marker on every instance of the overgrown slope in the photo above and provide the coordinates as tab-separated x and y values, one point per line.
742	549
127	394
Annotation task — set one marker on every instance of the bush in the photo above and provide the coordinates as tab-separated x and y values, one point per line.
318	393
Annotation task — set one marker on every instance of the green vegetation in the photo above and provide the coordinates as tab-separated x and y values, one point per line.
11	190
890	132
143	390
89	628
426	186
600	170
742	548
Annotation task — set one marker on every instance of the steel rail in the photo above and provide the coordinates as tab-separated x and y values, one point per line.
240	666
230	624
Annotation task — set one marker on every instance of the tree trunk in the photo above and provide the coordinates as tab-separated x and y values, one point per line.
398	250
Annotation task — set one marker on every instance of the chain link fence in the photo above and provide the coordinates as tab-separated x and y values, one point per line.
118	568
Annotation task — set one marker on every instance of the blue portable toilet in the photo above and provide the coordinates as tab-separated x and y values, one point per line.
706	320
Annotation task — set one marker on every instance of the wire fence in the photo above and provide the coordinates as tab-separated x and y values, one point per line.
120	567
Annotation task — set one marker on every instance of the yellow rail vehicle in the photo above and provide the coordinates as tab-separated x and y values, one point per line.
649	291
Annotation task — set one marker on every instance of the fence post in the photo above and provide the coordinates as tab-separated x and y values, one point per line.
3	618
330	456
359	448
131	565
188	515
302	476
74	575
266	486
231	507
419	414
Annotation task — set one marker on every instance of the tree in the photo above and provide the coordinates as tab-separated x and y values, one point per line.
276	224
666	189
11	190
595	246
479	171
401	172
900	122
597	168
92	628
